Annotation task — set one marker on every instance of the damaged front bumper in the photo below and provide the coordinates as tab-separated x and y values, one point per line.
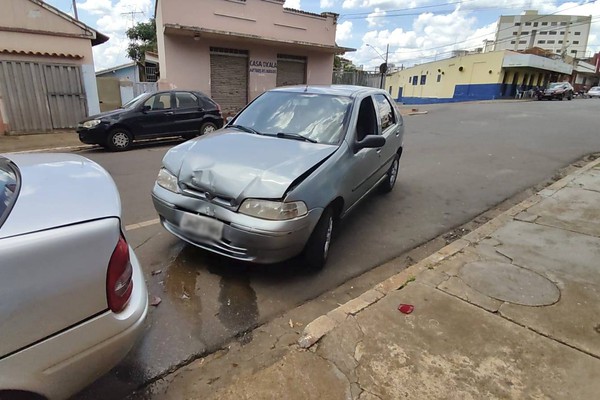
242	237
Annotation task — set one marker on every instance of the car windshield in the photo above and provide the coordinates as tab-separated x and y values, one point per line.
308	116
8	186
132	103
556	85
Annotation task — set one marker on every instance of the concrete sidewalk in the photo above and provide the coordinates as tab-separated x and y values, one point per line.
65	140
511	310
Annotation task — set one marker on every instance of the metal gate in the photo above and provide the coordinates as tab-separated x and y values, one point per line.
291	70
42	97
229	79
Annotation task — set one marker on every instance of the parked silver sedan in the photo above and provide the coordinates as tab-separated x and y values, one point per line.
72	295
271	184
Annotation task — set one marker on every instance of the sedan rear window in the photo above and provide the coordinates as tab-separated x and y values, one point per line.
8	188
319	117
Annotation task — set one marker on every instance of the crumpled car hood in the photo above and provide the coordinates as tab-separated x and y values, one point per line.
236	165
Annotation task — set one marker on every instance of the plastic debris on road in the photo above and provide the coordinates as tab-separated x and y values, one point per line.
406	308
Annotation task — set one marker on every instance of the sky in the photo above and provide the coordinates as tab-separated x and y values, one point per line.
416	31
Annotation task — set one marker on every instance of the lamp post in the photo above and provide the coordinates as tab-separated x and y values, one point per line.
382	67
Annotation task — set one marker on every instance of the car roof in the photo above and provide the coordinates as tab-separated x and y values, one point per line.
339	90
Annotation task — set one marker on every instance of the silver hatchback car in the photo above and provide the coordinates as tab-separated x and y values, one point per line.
270	185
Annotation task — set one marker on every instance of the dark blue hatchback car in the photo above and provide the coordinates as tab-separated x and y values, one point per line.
152	115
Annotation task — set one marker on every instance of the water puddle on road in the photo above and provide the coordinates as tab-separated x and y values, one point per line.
207	290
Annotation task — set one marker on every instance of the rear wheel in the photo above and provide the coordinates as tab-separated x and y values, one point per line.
317	248
570	97
119	139
207	127
390	180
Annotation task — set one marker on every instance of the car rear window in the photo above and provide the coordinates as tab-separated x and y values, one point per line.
9	185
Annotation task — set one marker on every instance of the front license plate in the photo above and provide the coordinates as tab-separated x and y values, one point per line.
202	226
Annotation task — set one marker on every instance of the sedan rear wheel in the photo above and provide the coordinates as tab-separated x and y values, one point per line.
119	139
208	127
317	248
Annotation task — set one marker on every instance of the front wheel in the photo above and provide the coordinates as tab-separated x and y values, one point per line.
390	180
317	248
119	140
207	127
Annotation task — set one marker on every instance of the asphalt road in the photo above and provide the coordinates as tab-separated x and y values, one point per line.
459	160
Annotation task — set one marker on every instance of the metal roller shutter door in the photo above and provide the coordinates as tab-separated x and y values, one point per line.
229	81
291	70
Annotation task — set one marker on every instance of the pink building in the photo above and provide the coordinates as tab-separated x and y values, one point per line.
233	50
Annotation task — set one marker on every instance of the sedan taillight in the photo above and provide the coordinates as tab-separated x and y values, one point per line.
119	282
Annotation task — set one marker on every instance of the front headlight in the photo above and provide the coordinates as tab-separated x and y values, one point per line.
167	180
273	210
91	123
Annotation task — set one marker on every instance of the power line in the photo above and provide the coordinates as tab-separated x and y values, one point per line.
485	35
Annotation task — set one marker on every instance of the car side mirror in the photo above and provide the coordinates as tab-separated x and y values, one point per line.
146	108
370	142
228	119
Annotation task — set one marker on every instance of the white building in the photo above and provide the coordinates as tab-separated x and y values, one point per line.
559	34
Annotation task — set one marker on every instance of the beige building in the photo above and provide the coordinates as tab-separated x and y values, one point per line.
484	76
47	78
559	34
233	50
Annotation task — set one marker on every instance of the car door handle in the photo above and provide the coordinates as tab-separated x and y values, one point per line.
169	113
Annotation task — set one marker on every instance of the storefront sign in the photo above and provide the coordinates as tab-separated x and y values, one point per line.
263	67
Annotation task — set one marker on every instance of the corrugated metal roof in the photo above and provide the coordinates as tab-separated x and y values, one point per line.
41	53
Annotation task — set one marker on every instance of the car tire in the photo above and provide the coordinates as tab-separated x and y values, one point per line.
570	97
208	127
391	176
119	139
317	248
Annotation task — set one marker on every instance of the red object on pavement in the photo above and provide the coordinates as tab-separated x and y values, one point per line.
406	308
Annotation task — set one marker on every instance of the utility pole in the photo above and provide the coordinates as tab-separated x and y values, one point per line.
75	10
384	67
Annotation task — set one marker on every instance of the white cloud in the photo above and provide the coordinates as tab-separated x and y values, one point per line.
295	4
95	6
374	18
113	20
326	3
383	4
343	31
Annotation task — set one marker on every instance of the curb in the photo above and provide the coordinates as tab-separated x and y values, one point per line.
65	148
318	328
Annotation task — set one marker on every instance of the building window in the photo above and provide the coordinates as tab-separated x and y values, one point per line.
512	42
543	33
560	42
527	23
525	33
573	51
563	24
577	33
550	41
515	33
535	24
562	33
517	24
423	79
439	77
575	41
522	41
553	23
552	33
415	80
544	23
410	79
541	41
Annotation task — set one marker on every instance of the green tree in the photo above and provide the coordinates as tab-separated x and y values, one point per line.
142	38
